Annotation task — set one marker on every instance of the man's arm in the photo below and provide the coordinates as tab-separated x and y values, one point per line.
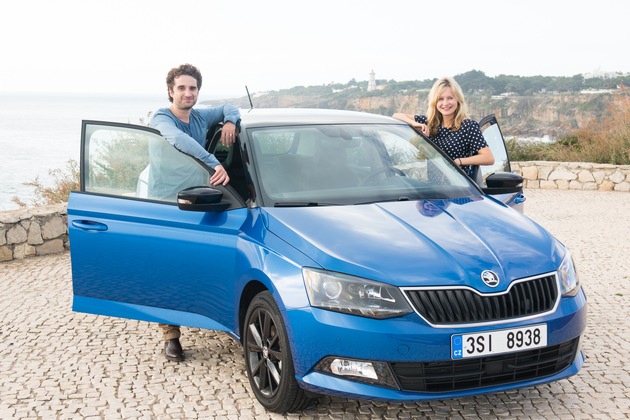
231	114
182	141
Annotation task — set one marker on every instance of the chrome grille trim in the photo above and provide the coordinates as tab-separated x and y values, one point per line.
464	306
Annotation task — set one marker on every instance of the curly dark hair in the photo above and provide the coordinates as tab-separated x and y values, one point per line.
184	69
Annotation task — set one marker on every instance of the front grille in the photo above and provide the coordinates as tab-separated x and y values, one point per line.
450	306
463	374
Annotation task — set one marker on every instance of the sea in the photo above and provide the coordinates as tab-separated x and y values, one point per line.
40	133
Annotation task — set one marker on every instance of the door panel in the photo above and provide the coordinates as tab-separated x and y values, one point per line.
494	137
138	255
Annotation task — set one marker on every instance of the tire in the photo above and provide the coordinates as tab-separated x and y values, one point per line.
268	357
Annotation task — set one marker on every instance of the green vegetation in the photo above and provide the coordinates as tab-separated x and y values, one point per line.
64	181
116	163
603	141
473	81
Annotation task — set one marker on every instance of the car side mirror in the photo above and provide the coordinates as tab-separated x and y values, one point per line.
201	199
503	183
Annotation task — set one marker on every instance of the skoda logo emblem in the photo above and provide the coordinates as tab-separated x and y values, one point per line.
490	278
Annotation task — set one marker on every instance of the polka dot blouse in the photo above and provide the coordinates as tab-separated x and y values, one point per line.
462	143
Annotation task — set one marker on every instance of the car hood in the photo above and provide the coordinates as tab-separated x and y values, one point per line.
419	243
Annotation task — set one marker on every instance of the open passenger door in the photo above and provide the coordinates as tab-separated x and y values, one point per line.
499	174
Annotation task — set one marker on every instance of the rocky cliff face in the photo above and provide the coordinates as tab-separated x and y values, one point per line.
553	115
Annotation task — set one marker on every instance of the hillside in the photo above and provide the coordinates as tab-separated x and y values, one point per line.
554	115
526	106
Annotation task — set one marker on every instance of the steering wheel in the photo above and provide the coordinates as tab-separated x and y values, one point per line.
392	169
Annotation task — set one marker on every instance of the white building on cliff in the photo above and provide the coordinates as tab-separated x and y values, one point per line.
372	82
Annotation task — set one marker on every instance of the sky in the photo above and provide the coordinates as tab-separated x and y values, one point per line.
127	46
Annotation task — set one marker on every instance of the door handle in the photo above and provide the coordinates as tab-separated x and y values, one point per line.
89	225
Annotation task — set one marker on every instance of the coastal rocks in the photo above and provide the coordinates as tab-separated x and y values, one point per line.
574	175
33	231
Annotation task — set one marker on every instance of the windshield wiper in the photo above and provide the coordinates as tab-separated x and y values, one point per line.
302	204
386	200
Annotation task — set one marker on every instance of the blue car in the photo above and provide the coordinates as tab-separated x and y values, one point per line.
348	255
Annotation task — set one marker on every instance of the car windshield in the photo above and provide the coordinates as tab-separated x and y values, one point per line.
351	164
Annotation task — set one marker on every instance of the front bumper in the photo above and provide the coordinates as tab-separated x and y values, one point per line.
408	347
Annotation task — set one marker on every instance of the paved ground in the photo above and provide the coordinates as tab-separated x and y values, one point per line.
58	364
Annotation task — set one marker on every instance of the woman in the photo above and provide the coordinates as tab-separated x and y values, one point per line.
447	123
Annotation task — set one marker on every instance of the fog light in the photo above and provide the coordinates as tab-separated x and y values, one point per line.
353	368
369	372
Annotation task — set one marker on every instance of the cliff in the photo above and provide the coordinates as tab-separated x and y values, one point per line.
553	115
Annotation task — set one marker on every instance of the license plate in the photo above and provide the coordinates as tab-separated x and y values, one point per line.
498	342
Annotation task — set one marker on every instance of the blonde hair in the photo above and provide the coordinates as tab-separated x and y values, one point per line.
434	117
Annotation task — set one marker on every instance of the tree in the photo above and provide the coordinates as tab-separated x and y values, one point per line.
473	81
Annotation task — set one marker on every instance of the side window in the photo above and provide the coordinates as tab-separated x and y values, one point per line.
232	160
128	161
494	138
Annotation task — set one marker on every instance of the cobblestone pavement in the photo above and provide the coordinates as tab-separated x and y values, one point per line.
58	364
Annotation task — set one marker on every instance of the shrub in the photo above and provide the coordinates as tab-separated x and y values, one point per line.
605	141
64	181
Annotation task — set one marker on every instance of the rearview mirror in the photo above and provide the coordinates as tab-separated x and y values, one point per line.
201	199
503	183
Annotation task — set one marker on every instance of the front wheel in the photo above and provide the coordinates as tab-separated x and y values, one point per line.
268	357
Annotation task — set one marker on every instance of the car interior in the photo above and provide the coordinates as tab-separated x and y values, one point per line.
232	161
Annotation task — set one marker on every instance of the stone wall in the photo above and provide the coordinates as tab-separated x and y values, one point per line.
574	175
44	230
33	231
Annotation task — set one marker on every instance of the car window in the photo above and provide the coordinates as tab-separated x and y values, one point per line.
131	162
231	159
494	138
351	164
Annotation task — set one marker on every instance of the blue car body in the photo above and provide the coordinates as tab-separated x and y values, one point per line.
419	262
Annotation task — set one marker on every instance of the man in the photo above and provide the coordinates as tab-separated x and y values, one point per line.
185	128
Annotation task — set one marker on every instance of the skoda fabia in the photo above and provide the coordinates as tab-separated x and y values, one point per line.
348	255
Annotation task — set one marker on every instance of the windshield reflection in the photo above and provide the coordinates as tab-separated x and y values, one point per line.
352	164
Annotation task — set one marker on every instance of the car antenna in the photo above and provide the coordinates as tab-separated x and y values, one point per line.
251	105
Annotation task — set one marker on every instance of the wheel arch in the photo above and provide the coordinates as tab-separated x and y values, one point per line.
251	289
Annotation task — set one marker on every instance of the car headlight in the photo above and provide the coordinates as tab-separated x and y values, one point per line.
567	273
353	295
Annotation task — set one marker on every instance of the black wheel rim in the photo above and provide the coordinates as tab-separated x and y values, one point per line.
264	353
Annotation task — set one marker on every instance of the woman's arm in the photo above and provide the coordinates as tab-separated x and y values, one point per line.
411	120
408	118
484	156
